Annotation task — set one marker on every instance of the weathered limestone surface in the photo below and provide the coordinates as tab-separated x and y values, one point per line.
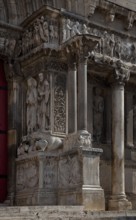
71	70
60	212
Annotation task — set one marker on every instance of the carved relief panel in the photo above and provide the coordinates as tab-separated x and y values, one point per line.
69	171
27	175
50	175
38	103
44	29
59	104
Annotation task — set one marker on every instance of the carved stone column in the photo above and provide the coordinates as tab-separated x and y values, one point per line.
72	98
82	93
81	46
118	199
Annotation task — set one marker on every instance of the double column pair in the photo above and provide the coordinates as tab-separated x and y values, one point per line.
118	199
77	111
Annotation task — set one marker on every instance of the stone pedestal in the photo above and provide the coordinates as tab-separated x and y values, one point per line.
79	182
36	180
92	193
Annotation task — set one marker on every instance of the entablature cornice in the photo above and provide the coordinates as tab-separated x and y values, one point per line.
111	10
49	31
43	11
105	67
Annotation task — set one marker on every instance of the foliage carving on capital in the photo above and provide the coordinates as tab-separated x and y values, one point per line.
121	73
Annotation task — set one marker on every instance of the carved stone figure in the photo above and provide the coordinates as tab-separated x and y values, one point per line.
84	139
131	19
85	29
31	101
45	29
43	103
105	43
39	141
40	29
30	37
56	32
52	32
68	29
112	45
98	107
37	39
75	29
121	73
64	32
118	48
9	46
41	145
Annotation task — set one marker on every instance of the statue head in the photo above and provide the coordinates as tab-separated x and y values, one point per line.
31	82
41	77
68	21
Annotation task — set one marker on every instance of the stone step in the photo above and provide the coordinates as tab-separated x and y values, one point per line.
61	213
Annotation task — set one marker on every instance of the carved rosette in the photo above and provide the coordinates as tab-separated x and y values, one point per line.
60	104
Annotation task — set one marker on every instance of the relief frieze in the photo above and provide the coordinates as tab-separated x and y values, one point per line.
42	30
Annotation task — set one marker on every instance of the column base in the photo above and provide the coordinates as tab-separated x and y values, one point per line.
119	204
93	198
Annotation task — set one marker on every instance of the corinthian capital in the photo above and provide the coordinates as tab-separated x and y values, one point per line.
121	73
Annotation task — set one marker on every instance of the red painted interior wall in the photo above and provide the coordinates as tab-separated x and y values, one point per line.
3	134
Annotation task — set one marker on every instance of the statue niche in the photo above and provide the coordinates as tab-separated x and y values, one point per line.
98	112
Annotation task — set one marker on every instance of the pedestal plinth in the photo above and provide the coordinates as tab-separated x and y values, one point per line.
92	193
79	182
36	180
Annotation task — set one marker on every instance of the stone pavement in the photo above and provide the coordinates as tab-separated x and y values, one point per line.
61	213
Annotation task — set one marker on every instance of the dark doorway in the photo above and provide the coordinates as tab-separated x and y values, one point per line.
3	134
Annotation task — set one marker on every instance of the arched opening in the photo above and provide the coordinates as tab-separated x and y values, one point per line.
3	134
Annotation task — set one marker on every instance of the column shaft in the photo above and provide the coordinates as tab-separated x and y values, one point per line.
118	199
82	95
72	99
118	187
